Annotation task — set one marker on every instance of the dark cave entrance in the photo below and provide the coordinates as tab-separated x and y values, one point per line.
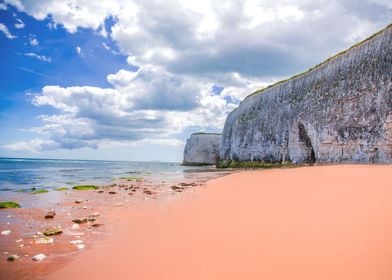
305	139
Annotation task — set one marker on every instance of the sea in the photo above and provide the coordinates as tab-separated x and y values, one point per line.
18	174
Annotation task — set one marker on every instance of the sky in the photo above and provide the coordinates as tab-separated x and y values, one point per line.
131	80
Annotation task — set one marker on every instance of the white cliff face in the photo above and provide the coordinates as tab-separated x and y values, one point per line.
202	148
341	111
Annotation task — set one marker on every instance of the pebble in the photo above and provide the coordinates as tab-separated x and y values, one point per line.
75	226
76	242
44	240
84	207
50	215
38	257
96	225
78	201
80	220
5	232
21	246
53	231
12	258
95	214
112	192
19	240
80	246
118	204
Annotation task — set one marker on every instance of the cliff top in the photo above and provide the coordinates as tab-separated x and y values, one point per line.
259	91
206	133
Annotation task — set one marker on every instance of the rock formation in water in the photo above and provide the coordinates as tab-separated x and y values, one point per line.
339	111
202	149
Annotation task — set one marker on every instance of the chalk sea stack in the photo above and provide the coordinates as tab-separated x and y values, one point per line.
338	111
202	149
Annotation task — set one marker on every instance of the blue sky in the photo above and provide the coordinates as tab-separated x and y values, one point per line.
130	80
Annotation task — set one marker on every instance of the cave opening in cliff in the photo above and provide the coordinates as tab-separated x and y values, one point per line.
305	139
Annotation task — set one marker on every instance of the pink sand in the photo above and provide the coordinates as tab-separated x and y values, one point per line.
325	222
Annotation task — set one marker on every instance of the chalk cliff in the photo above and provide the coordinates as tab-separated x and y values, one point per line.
339	111
202	149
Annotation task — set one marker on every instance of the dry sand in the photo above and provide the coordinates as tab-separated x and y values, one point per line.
324	222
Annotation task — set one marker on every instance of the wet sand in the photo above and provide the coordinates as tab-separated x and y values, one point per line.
26	224
323	222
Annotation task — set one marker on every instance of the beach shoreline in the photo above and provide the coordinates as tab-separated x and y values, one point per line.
27	224
316	222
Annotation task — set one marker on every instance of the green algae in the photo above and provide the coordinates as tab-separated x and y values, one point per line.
85	187
9	204
39	191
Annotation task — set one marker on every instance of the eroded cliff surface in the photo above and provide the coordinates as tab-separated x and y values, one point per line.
341	111
202	148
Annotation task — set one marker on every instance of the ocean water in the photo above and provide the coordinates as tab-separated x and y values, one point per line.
23	173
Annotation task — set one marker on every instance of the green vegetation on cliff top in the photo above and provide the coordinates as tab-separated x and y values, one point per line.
206	133
318	65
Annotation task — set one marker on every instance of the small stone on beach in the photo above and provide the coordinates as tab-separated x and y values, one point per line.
50	215
5	232
53	231
12	258
96	225
76	242
75	226
80	246
95	214
38	257
78	201
44	240
112	192
80	220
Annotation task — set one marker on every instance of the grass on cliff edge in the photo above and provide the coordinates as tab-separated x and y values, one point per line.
9	204
85	187
252	164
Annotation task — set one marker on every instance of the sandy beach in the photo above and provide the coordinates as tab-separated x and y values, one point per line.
322	222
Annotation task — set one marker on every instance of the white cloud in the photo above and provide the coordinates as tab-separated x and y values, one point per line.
72	14
20	24
6	32
135	111
183	48
33	146
39	57
34	42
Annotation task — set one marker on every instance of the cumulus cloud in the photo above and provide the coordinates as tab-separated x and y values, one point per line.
6	32
183	50
34	42
39	57
134	111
